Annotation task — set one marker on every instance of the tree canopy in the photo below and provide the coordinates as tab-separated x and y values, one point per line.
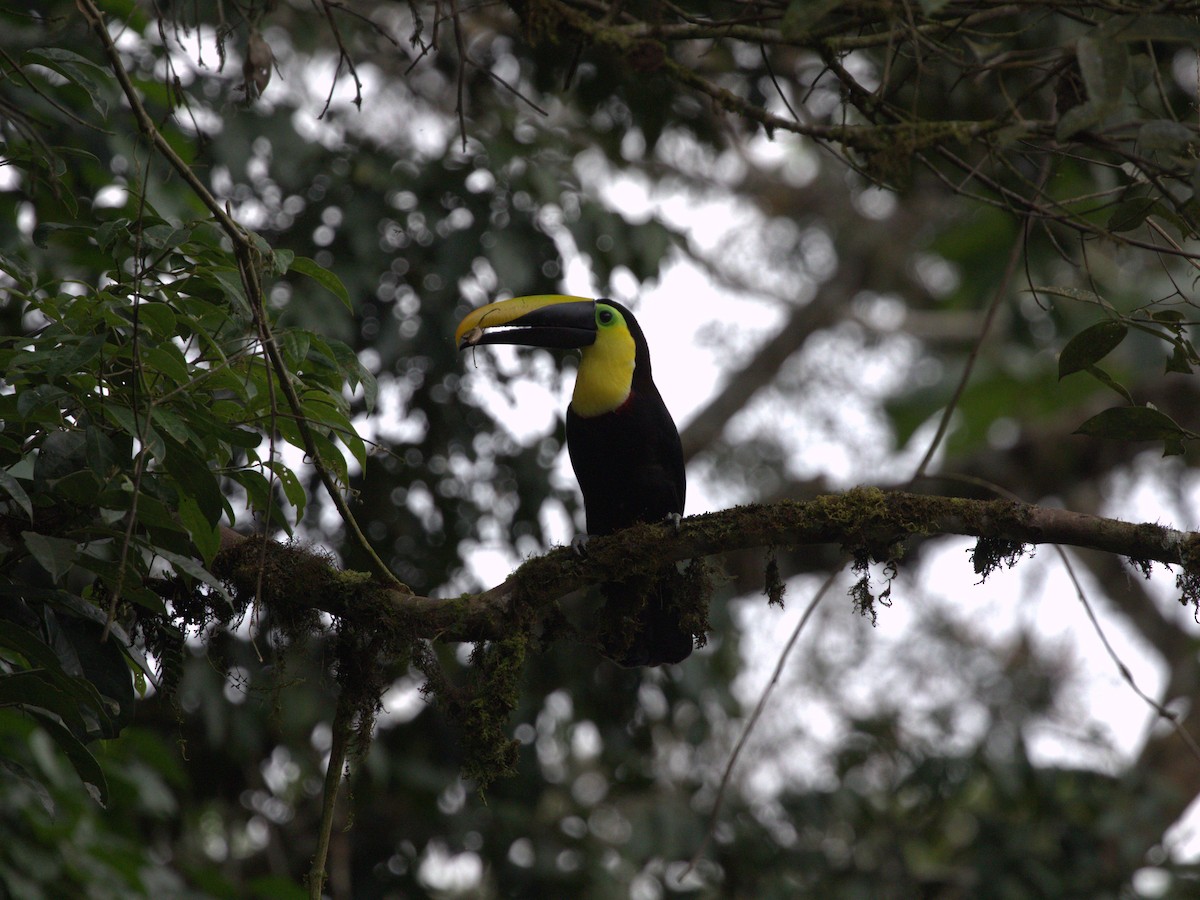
283	607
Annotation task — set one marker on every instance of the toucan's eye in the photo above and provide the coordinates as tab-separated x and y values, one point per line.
605	316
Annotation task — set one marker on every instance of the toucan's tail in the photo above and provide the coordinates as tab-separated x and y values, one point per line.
640	622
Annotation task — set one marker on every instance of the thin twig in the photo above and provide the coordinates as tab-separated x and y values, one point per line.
1010	268
333	781
343	57
139	464
1162	711
754	717
461	75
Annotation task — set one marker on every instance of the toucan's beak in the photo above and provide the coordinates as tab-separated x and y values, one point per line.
545	320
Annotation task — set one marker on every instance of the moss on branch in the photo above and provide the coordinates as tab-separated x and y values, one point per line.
377	622
297	582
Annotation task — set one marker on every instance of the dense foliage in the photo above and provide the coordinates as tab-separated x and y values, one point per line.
235	239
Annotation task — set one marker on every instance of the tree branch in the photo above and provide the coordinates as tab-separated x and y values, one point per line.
863	520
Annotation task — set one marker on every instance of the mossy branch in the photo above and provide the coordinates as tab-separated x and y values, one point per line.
295	583
866	520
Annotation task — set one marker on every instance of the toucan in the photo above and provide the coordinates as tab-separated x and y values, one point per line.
624	448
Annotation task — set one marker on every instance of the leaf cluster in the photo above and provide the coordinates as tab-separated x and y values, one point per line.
140	414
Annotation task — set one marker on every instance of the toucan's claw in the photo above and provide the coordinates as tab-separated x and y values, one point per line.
674	519
579	545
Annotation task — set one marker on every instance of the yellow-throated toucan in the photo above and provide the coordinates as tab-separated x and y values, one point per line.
623	444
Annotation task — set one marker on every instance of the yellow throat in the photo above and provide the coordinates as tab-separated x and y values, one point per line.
606	371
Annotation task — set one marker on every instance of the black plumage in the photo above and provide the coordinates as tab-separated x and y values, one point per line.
624	447
629	464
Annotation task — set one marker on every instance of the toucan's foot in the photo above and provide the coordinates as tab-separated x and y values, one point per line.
673	519
579	544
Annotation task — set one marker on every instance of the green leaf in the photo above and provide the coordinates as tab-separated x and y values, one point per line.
133	588
37	653
44	230
72	355
173	425
357	448
1165	135
1090	346
246	438
18	269
1108	381
1131	213
41	688
231	284
205	535
193	478
330	356
1177	29
167	359
1170	316
281	261
294	343
12	770
113	233
80	608
62	452
1077	119
84	763
802	15
1180	360
164	236
62	683
41	400
370	387
258	489
326	409
153	513
351	367
331	456
157	318
1133	423
1104	64
78	70
81	487
123	418
323	277
13	488
55	555
293	488
1071	293
105	670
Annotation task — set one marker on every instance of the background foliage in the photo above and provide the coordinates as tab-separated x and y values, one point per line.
982	208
